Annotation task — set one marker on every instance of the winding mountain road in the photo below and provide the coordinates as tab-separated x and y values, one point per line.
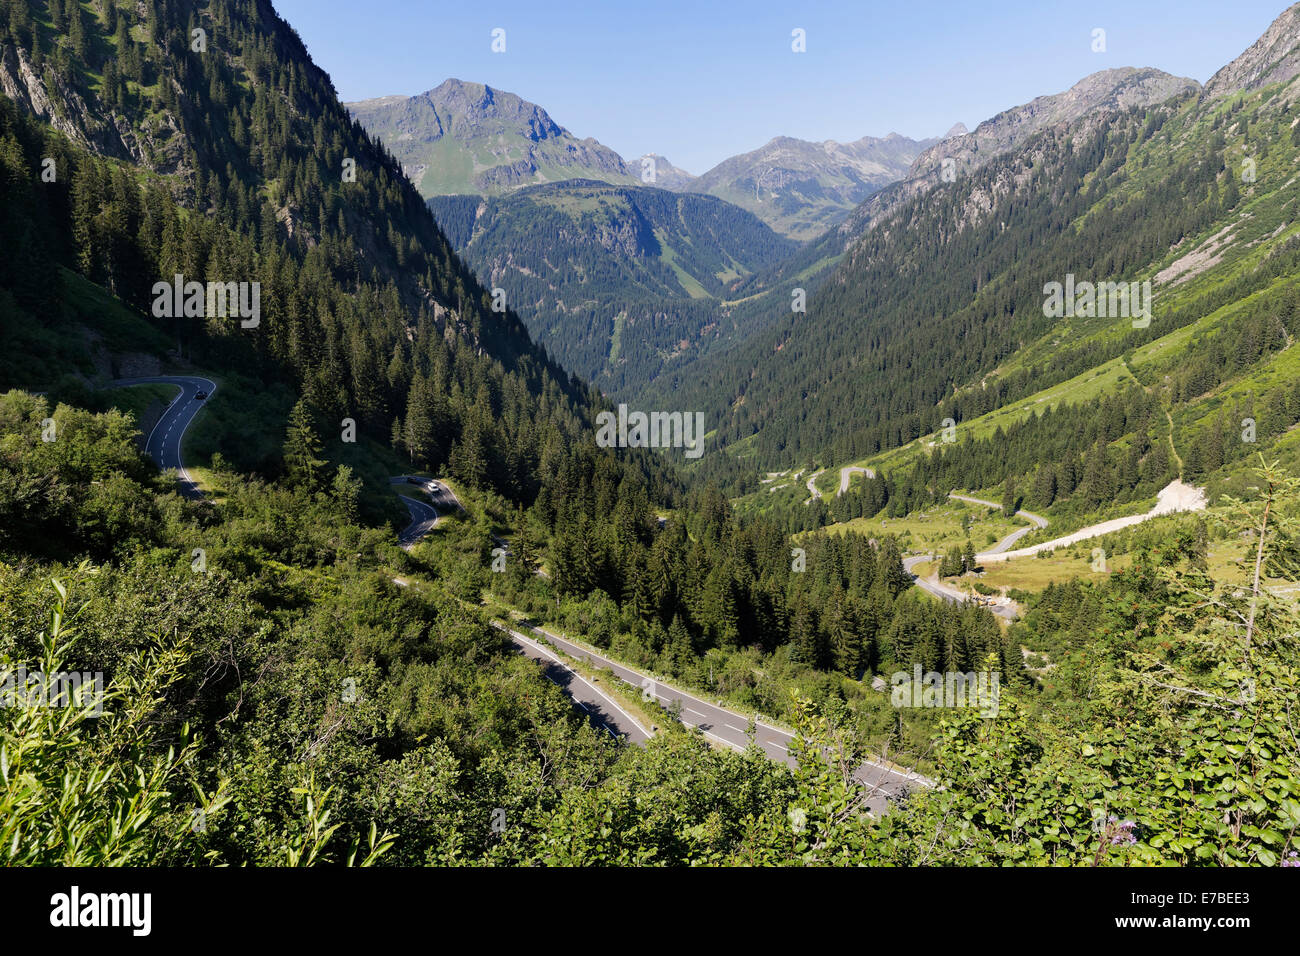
601	710
1006	543
812	485
424	516
848	471
731	729
947	592
846	474
1174	497
164	442
719	724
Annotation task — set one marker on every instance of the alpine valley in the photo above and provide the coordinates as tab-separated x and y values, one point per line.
413	554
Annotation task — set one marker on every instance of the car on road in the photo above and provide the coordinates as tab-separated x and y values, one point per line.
435	488
200	395
414	480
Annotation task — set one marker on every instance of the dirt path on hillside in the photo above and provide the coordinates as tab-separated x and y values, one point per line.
1175	497
812	485
1172	450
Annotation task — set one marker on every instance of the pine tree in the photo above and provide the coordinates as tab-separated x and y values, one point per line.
419	424
301	445
1045	486
469	456
680	651
76	30
523	548
805	636
842	628
1230	192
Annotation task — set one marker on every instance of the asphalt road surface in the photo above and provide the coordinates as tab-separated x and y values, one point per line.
947	592
423	518
731	729
812	486
847	473
1006	543
602	710
423	514
164	442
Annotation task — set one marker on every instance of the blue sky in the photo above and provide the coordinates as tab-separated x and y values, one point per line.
700	81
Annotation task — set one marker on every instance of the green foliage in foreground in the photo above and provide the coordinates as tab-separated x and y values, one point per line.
284	702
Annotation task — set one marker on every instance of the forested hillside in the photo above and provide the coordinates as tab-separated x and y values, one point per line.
359	328
938	299
615	281
286	685
364	306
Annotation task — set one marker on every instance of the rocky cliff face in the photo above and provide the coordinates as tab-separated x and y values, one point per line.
157	145
1273	58
1088	102
62	107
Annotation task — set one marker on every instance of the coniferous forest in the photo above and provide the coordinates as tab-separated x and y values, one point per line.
359	583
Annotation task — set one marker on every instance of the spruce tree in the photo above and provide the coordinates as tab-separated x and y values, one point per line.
301	446
1009	502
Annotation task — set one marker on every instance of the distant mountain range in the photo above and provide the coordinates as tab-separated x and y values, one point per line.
937	280
470	139
1096	95
960	153
800	188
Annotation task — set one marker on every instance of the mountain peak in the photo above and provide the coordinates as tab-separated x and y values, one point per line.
470	138
799	188
479	103
957	129
666	175
1273	58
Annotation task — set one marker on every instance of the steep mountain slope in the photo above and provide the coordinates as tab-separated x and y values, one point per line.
1273	58
304	675
1085	104
611	279
366	318
763	299
461	138
943	298
237	164
799	188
